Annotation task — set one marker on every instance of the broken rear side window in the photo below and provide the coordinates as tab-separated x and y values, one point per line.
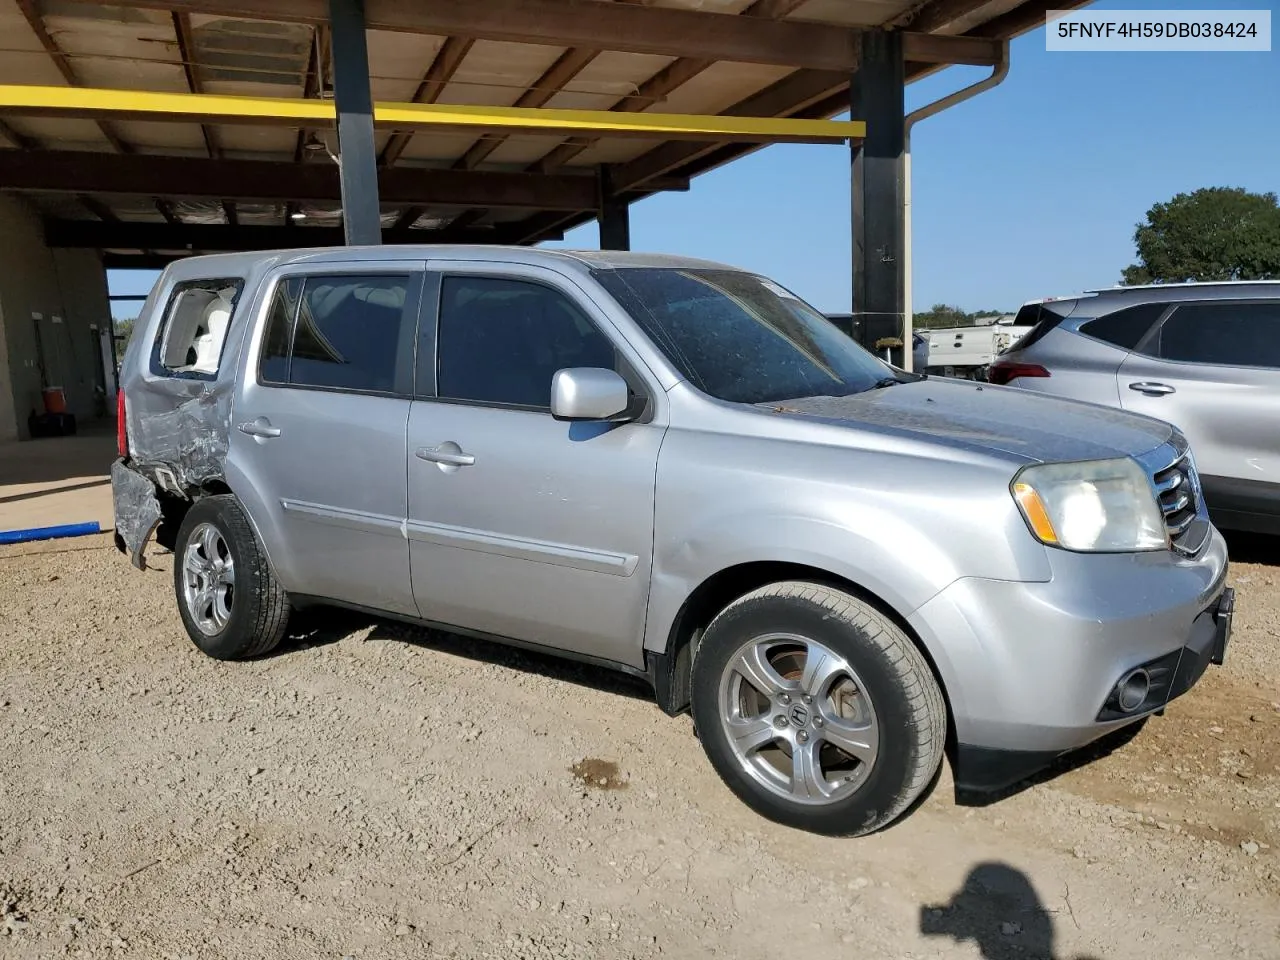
194	331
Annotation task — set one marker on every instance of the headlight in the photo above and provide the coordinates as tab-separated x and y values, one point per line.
1096	506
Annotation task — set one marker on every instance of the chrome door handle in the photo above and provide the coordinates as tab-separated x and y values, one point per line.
1152	389
260	428
447	457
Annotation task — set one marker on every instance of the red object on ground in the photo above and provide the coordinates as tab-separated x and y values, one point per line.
55	401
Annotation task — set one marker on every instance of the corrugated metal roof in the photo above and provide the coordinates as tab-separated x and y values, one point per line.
57	42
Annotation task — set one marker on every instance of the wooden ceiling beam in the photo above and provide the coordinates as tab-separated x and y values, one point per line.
79	172
674	75
187	52
783	99
19	140
445	64
935	14
134	235
626	27
60	59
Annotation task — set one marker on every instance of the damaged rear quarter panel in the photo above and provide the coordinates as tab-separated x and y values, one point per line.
137	510
179	426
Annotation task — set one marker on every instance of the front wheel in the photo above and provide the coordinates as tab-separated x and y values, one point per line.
817	710
231	603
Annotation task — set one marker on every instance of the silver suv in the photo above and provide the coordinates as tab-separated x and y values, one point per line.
1204	356
679	470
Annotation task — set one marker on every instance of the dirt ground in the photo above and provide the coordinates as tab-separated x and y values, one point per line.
376	791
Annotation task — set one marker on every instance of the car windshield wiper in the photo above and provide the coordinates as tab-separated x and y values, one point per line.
886	382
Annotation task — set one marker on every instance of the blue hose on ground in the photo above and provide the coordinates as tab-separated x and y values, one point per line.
49	533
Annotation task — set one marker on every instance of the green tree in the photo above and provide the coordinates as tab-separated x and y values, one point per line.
941	315
1216	233
123	331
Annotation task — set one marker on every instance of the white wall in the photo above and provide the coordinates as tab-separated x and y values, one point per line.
70	285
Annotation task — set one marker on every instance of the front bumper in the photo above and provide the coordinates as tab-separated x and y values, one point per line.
1031	669
985	769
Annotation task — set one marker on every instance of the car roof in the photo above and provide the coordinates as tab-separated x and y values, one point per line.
1107	299
241	264
1189	285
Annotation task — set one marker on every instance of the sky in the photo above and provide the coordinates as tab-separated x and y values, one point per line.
1031	189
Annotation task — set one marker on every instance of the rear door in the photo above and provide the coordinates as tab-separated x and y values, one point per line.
521	525
1081	357
1213	369
318	429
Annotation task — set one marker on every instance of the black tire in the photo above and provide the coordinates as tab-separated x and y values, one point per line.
909	707
259	605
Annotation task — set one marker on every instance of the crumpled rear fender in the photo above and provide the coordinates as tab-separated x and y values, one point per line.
137	511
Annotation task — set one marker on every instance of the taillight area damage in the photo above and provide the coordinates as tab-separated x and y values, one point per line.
172	437
137	511
1003	372
122	425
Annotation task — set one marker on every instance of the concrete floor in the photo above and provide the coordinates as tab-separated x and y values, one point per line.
58	480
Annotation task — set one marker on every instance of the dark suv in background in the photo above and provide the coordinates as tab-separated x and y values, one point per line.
1203	356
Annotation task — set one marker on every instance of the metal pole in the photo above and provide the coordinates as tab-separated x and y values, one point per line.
908	318
357	157
614	214
998	74
876	97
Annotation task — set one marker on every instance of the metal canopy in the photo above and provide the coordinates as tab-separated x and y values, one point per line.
609	82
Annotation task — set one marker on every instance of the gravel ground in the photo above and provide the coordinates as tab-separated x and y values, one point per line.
376	791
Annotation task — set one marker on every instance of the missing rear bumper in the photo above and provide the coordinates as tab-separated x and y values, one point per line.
137	511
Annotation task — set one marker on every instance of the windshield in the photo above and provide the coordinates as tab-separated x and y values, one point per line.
740	337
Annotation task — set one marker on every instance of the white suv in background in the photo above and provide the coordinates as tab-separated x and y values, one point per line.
1202	356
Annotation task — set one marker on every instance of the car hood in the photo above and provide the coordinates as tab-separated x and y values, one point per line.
1005	419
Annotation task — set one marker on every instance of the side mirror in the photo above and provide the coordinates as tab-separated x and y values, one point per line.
589	393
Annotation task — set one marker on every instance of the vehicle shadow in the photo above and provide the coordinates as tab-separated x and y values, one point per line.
1102	747
54	460
998	910
320	626
44	492
1257	548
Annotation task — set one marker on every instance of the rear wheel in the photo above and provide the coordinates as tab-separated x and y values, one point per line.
816	709
230	601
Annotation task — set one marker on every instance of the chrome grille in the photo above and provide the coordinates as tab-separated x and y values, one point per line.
1178	491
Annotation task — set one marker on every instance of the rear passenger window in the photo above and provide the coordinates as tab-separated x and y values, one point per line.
1228	333
1041	317
1125	328
274	365
343	332
502	341
194	330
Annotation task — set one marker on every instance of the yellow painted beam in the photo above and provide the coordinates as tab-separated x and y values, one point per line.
213	108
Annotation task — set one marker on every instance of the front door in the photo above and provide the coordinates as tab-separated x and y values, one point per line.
521	525
318	431
1213	370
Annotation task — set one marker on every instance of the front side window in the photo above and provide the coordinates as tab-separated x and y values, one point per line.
1227	333
342	332
194	330
740	337
501	341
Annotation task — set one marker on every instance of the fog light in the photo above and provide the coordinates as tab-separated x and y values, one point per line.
1133	689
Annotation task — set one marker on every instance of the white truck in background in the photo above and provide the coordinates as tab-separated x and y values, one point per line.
966	352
